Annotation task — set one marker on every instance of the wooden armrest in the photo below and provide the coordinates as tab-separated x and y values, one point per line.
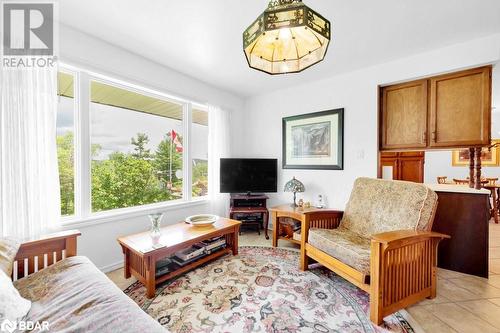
401	235
52	237
36	254
47	243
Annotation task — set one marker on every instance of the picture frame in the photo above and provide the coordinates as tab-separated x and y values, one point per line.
314	141
488	158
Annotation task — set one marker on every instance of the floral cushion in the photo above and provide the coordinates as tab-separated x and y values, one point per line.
378	205
8	250
346	246
74	296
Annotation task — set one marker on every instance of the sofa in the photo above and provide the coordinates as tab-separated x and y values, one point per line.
382	243
70	293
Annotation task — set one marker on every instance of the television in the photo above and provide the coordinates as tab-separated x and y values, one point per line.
248	175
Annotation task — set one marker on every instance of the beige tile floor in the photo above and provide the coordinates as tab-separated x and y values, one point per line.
464	303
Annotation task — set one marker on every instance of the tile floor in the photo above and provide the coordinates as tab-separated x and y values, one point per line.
464	303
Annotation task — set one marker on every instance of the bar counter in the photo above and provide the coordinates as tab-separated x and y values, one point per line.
463	213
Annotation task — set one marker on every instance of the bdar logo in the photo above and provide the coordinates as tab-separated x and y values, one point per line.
8	326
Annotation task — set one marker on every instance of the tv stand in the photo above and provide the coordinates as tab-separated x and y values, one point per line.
247	208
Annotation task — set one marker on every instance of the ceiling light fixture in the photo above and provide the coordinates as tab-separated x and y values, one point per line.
287	38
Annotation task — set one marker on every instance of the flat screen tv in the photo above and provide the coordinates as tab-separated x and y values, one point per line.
248	175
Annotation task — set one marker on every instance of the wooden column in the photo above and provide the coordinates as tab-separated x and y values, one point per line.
472	155
477	184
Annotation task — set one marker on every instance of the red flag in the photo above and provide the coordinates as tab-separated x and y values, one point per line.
177	142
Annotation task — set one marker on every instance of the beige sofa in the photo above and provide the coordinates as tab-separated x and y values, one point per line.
382	243
71	294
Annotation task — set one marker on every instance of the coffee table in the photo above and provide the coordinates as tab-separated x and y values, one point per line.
141	251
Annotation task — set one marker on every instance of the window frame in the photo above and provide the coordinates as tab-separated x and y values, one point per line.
83	214
203	108
76	143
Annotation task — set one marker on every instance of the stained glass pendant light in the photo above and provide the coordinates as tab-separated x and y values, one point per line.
287	38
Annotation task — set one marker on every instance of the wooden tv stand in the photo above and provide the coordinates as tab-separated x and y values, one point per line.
242	204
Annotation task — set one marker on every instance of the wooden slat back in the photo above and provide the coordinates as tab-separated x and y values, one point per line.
324	220
407	270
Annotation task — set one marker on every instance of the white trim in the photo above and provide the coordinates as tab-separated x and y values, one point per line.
76	140
130	212
111	267
187	184
131	84
85	146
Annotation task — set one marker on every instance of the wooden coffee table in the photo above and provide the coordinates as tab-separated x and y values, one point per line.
141	253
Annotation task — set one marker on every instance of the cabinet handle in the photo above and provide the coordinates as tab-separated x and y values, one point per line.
424	137
434	136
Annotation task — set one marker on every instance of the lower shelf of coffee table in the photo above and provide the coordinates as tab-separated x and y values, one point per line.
192	265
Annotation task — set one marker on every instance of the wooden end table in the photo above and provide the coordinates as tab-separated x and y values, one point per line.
140	256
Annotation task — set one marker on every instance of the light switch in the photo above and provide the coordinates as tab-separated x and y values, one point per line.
360	154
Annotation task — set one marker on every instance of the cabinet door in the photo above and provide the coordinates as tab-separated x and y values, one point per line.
411	169
388	168
404	115
460	109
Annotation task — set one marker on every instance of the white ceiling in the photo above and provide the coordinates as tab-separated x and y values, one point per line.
203	38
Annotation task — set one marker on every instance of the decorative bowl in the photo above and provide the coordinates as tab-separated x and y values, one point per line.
201	220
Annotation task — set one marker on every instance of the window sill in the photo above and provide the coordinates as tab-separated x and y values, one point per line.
127	213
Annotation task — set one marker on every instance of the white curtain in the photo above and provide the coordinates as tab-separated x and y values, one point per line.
219	147
29	180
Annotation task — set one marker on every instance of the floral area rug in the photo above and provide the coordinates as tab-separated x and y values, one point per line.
261	290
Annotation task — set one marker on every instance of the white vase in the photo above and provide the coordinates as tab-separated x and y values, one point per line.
155	224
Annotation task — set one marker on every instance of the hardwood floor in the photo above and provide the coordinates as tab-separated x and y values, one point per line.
464	303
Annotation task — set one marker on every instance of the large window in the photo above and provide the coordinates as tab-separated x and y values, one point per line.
132	146
137	148
65	142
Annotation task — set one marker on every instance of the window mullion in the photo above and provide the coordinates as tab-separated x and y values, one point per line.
186	156
77	144
85	145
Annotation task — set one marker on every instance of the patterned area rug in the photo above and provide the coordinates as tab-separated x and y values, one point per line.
261	290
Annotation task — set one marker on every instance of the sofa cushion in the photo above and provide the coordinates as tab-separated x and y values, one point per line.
8	250
74	296
12	306
346	246
378	205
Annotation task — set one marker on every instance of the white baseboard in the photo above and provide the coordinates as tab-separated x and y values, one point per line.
112	267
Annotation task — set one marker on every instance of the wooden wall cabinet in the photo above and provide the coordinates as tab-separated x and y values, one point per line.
404	116
460	108
446	111
407	166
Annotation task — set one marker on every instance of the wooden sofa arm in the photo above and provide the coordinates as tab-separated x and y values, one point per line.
36	254
406	235
402	270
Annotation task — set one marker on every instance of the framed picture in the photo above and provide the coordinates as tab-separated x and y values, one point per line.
488	157
314	141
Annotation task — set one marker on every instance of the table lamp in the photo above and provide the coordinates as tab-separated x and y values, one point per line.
294	186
